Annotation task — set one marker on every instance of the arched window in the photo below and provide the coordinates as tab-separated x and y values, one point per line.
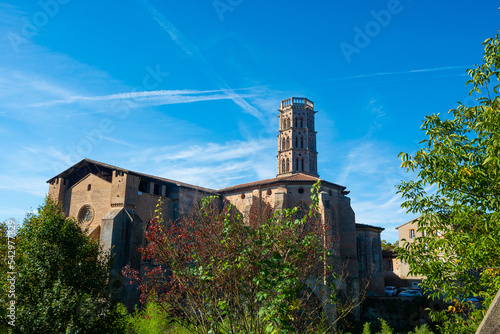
301	142
288	123
283	124
375	250
296	142
287	143
295	122
302	169
283	147
89	187
301	124
287	165
283	166
361	256
297	164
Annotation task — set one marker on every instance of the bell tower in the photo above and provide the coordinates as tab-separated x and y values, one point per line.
297	138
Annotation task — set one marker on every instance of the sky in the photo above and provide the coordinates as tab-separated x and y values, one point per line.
189	90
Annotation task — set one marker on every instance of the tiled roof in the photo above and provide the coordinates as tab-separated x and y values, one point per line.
409	222
181	184
296	177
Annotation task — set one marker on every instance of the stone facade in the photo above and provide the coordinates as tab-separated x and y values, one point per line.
369	253
116	204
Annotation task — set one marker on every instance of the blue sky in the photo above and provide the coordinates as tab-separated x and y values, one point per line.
188	90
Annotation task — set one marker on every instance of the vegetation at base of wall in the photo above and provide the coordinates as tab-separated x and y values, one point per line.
382	327
151	319
456	194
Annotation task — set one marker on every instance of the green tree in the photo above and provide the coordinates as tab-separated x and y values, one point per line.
217	272
456	191
61	285
386	245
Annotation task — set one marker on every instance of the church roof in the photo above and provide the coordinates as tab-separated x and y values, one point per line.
86	162
293	178
368	227
288	179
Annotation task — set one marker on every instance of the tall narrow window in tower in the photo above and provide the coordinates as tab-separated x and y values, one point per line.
287	165
301	125
296	164
283	170
296	142
295	122
287	143
301	142
283	147
302	169
288	123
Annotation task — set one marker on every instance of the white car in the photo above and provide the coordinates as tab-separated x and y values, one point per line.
391	291
410	293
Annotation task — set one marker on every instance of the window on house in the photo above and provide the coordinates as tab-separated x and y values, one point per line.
412	233
89	187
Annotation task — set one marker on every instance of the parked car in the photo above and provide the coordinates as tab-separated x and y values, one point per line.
391	291
403	289
410	293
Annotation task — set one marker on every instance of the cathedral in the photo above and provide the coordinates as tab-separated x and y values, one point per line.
115	204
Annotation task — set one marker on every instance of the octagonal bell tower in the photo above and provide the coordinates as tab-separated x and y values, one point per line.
297	138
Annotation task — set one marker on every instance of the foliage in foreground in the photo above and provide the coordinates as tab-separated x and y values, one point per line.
151	319
457	194
61	286
216	272
384	328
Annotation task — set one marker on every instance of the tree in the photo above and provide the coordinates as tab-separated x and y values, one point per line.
457	193
215	271
61	285
387	246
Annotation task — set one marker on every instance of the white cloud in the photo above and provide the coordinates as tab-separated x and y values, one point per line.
27	184
371	171
209	164
193	51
